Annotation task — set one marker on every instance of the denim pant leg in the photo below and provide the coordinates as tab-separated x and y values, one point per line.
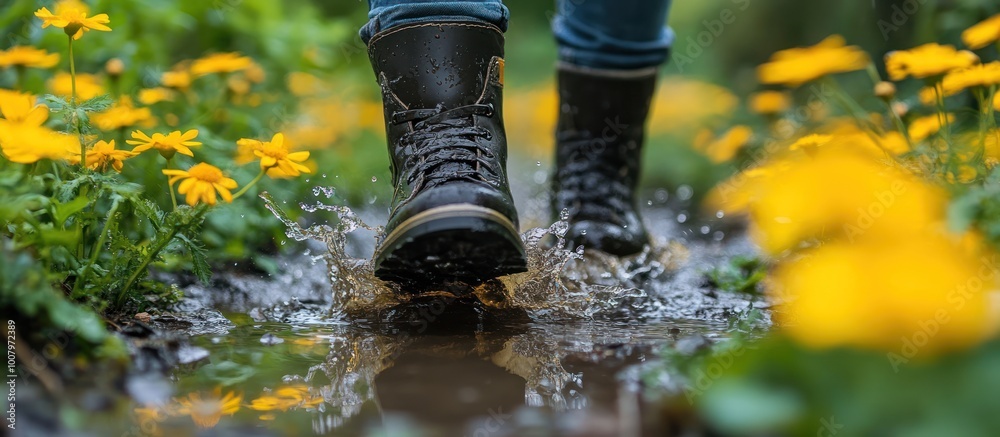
385	14
613	34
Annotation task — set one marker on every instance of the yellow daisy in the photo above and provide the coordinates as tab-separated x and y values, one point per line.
927	60
923	127
152	96
88	86
27	144
206	411
177	79
982	34
121	115
27	56
982	75
167	145
769	102
220	63
794	67
21	108
71	16
101	154
200	183
274	155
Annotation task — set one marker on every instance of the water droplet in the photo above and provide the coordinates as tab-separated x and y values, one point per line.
661	195
681	218
583	232
705	230
718	235
684	192
374	179
538	163
719	214
649	202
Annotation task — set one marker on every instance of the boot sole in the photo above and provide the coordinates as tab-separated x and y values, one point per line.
463	242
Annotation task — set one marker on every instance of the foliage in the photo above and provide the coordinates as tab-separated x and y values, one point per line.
741	274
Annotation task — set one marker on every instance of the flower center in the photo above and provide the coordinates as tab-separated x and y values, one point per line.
205	172
274	151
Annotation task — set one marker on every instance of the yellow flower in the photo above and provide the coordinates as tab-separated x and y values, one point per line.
983	75
27	143
769	102
274	154
305	84
927	60
680	104
220	63
71	16
966	174
121	115
725	147
27	56
810	142
200	183
152	96
167	145
794	67
894	143
982	34
207	411
101	154
923	127
20	108
255	73
836	195
88	86
238	85
923	290
177	79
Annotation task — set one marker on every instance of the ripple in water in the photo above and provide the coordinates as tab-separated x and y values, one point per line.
559	283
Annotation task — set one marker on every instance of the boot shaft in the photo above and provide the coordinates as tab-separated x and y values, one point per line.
437	67
602	118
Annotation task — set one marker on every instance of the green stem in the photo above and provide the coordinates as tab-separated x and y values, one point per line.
95	252
253	182
170	187
156	250
19	77
943	116
72	99
145	263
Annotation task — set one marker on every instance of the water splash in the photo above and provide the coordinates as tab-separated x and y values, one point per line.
559	283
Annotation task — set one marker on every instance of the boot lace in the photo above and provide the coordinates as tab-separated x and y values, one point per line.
446	145
594	187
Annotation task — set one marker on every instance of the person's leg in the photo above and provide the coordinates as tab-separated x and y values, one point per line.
609	53
440	68
386	14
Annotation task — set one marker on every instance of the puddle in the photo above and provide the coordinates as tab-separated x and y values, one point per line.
324	348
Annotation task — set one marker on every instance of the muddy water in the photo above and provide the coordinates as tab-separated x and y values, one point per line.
325	349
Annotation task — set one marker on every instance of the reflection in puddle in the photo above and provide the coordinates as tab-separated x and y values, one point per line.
328	379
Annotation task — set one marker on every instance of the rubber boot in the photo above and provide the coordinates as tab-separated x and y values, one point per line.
452	217
599	138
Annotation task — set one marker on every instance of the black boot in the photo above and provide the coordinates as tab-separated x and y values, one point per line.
602	117
452	215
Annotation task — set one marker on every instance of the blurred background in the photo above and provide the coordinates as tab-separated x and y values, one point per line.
315	82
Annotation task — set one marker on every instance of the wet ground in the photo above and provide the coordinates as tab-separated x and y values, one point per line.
567	349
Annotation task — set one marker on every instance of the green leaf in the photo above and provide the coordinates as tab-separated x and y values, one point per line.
63	211
96	104
199	259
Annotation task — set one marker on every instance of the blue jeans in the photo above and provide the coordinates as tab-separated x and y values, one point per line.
605	34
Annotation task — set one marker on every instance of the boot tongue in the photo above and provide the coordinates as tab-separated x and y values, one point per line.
430	64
